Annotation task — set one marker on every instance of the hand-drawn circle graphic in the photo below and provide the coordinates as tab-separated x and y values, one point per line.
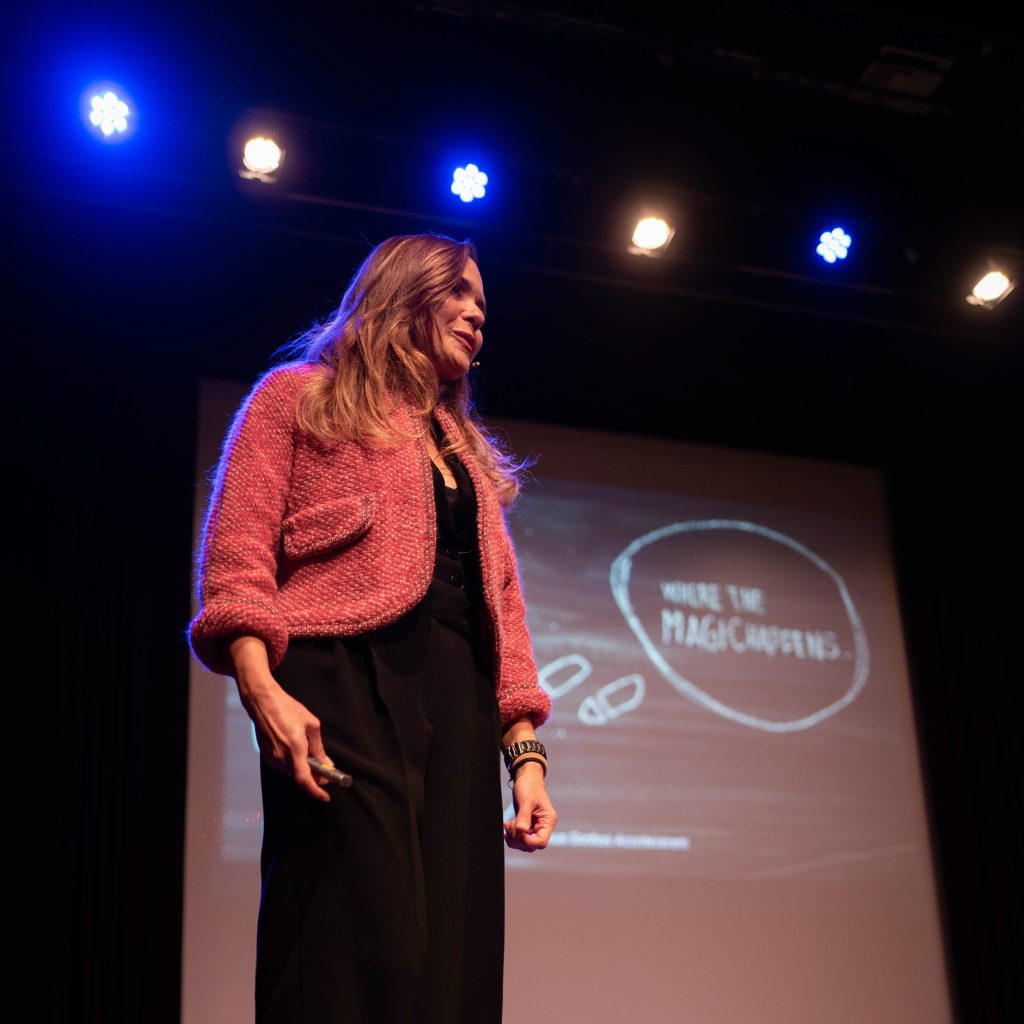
727	629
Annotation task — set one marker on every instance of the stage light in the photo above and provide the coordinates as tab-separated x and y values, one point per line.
833	245
469	183
261	158
651	236
107	112
991	290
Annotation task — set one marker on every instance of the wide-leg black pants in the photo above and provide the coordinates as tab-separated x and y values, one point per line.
387	905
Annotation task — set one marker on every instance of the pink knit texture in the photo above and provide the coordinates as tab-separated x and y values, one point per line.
303	539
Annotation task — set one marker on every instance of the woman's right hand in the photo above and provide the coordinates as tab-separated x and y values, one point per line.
287	732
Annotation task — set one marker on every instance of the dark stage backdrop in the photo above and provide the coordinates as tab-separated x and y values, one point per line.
132	273
107	586
743	835
113	323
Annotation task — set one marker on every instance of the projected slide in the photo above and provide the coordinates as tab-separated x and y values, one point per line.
696	619
732	750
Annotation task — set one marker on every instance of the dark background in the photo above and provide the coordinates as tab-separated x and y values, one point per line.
132	271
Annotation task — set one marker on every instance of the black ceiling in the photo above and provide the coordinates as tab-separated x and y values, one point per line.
755	126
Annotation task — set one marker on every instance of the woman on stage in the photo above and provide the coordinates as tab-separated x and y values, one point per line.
358	580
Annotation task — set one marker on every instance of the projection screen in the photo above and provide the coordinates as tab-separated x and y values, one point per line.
742	830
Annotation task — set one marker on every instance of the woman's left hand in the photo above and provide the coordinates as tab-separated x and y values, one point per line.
535	818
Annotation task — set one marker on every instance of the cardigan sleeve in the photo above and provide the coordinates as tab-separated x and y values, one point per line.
519	691
238	553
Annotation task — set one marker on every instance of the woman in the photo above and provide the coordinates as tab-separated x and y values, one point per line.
358	580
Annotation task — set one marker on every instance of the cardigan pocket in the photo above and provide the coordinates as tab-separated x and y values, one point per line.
327	526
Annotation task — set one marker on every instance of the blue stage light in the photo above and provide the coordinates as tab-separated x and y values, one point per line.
469	183
108	111
833	245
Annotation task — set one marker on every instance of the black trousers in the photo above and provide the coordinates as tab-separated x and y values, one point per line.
386	906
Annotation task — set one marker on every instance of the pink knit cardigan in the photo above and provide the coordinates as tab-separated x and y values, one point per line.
303	539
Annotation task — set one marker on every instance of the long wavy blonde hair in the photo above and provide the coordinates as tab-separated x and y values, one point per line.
374	351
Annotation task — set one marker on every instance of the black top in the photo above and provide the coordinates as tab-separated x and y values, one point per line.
458	556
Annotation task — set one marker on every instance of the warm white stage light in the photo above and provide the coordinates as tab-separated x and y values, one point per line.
991	289
651	236
261	157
